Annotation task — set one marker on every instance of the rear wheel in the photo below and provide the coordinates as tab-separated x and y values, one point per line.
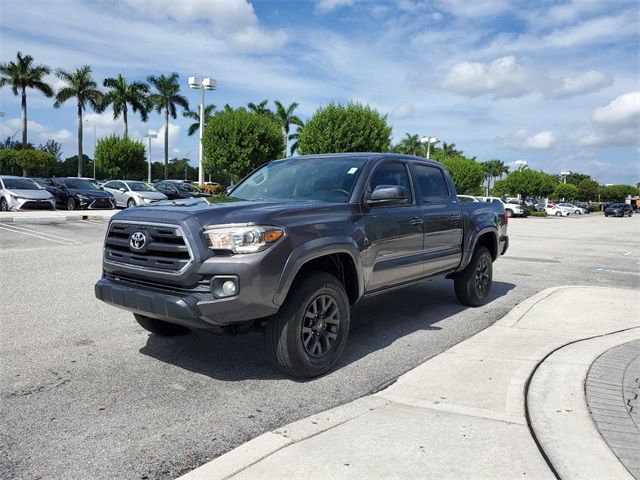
558	214
71	203
160	327
308	335
473	284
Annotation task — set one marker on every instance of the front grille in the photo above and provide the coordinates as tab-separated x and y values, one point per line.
164	248
101	203
33	205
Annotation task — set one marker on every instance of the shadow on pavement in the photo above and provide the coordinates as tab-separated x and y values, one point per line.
375	323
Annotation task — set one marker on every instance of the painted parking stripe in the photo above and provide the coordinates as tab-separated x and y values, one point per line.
625	272
95	222
40	235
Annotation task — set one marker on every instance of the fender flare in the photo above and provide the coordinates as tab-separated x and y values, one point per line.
312	249
474	241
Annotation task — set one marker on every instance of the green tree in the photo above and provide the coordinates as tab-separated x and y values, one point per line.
450	149
345	128
165	98
121	94
616	193
8	159
492	169
467	174
195	126
81	86
530	183
34	162
575	178
286	118
52	147
587	190
295	138
239	141
260	108
20	76
500	188
566	191
121	157
410	145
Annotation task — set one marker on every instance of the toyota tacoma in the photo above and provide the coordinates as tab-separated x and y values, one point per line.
294	245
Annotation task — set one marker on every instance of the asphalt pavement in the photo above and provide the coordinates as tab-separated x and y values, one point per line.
86	393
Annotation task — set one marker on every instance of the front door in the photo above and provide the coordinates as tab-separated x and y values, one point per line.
394	232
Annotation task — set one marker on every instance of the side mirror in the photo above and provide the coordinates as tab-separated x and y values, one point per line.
385	195
122	189
100	187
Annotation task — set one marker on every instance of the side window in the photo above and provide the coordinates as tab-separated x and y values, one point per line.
433	186
109	185
392	173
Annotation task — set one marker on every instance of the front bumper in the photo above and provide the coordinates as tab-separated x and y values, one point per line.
196	310
16	204
96	204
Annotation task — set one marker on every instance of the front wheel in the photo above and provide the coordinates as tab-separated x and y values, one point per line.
71	203
160	327
131	203
558	214
308	335
473	284
4	207
578	212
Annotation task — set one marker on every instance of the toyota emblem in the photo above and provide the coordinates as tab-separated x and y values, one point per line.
137	240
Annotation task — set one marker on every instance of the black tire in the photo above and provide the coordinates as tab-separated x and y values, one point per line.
606	214
509	213
295	333
160	327
71	203
558	214
131	203
4	207
473	284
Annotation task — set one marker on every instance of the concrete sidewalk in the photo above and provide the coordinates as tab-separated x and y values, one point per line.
506	403
55	216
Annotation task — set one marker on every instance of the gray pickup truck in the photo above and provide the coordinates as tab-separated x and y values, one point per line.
295	244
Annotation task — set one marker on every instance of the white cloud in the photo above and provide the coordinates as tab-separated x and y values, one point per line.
402	111
502	78
325	6
62	136
594	30
588	82
623	111
379	10
539	141
32	127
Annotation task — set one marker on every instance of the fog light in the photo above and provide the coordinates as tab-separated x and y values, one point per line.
229	287
224	286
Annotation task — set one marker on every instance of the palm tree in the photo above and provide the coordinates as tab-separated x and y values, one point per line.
411	145
492	169
81	86
505	171
166	97
261	108
286	118
21	75
295	138
195	126
123	94
450	149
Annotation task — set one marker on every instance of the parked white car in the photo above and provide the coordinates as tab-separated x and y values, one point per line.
512	209
467	199
129	193
558	212
19	193
572	208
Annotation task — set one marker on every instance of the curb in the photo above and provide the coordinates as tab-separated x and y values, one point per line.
54	219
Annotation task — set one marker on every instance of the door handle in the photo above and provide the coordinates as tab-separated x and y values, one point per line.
454	216
416	221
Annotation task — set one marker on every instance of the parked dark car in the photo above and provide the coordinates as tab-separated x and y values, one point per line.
296	244
175	189
79	193
618	210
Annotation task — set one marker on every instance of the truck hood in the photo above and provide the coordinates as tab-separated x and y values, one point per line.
232	211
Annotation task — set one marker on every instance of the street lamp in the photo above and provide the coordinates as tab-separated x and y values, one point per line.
564	176
202	84
522	164
150	136
429	141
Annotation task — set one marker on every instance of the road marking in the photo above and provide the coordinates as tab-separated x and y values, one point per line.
625	272
95	222
40	235
628	253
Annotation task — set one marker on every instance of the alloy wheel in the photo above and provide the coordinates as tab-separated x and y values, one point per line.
482	277
320	325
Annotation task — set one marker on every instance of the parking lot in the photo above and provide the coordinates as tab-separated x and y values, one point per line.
87	393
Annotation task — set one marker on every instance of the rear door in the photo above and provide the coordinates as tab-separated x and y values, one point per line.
394	232
442	218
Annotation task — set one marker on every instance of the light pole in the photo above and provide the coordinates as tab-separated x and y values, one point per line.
564	176
202	84
150	136
429	141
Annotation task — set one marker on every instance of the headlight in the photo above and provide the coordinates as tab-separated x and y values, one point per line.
83	197
243	238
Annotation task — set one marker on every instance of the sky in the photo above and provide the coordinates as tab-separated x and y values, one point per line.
556	83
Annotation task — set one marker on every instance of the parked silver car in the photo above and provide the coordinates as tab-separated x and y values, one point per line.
571	208
19	193
129	193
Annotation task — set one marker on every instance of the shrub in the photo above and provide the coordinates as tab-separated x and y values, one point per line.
538	214
121	157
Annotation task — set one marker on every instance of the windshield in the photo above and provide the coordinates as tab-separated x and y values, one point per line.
20	184
322	179
80	184
187	187
141	187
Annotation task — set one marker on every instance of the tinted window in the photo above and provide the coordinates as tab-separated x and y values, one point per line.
393	174
21	184
433	186
140	187
80	184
